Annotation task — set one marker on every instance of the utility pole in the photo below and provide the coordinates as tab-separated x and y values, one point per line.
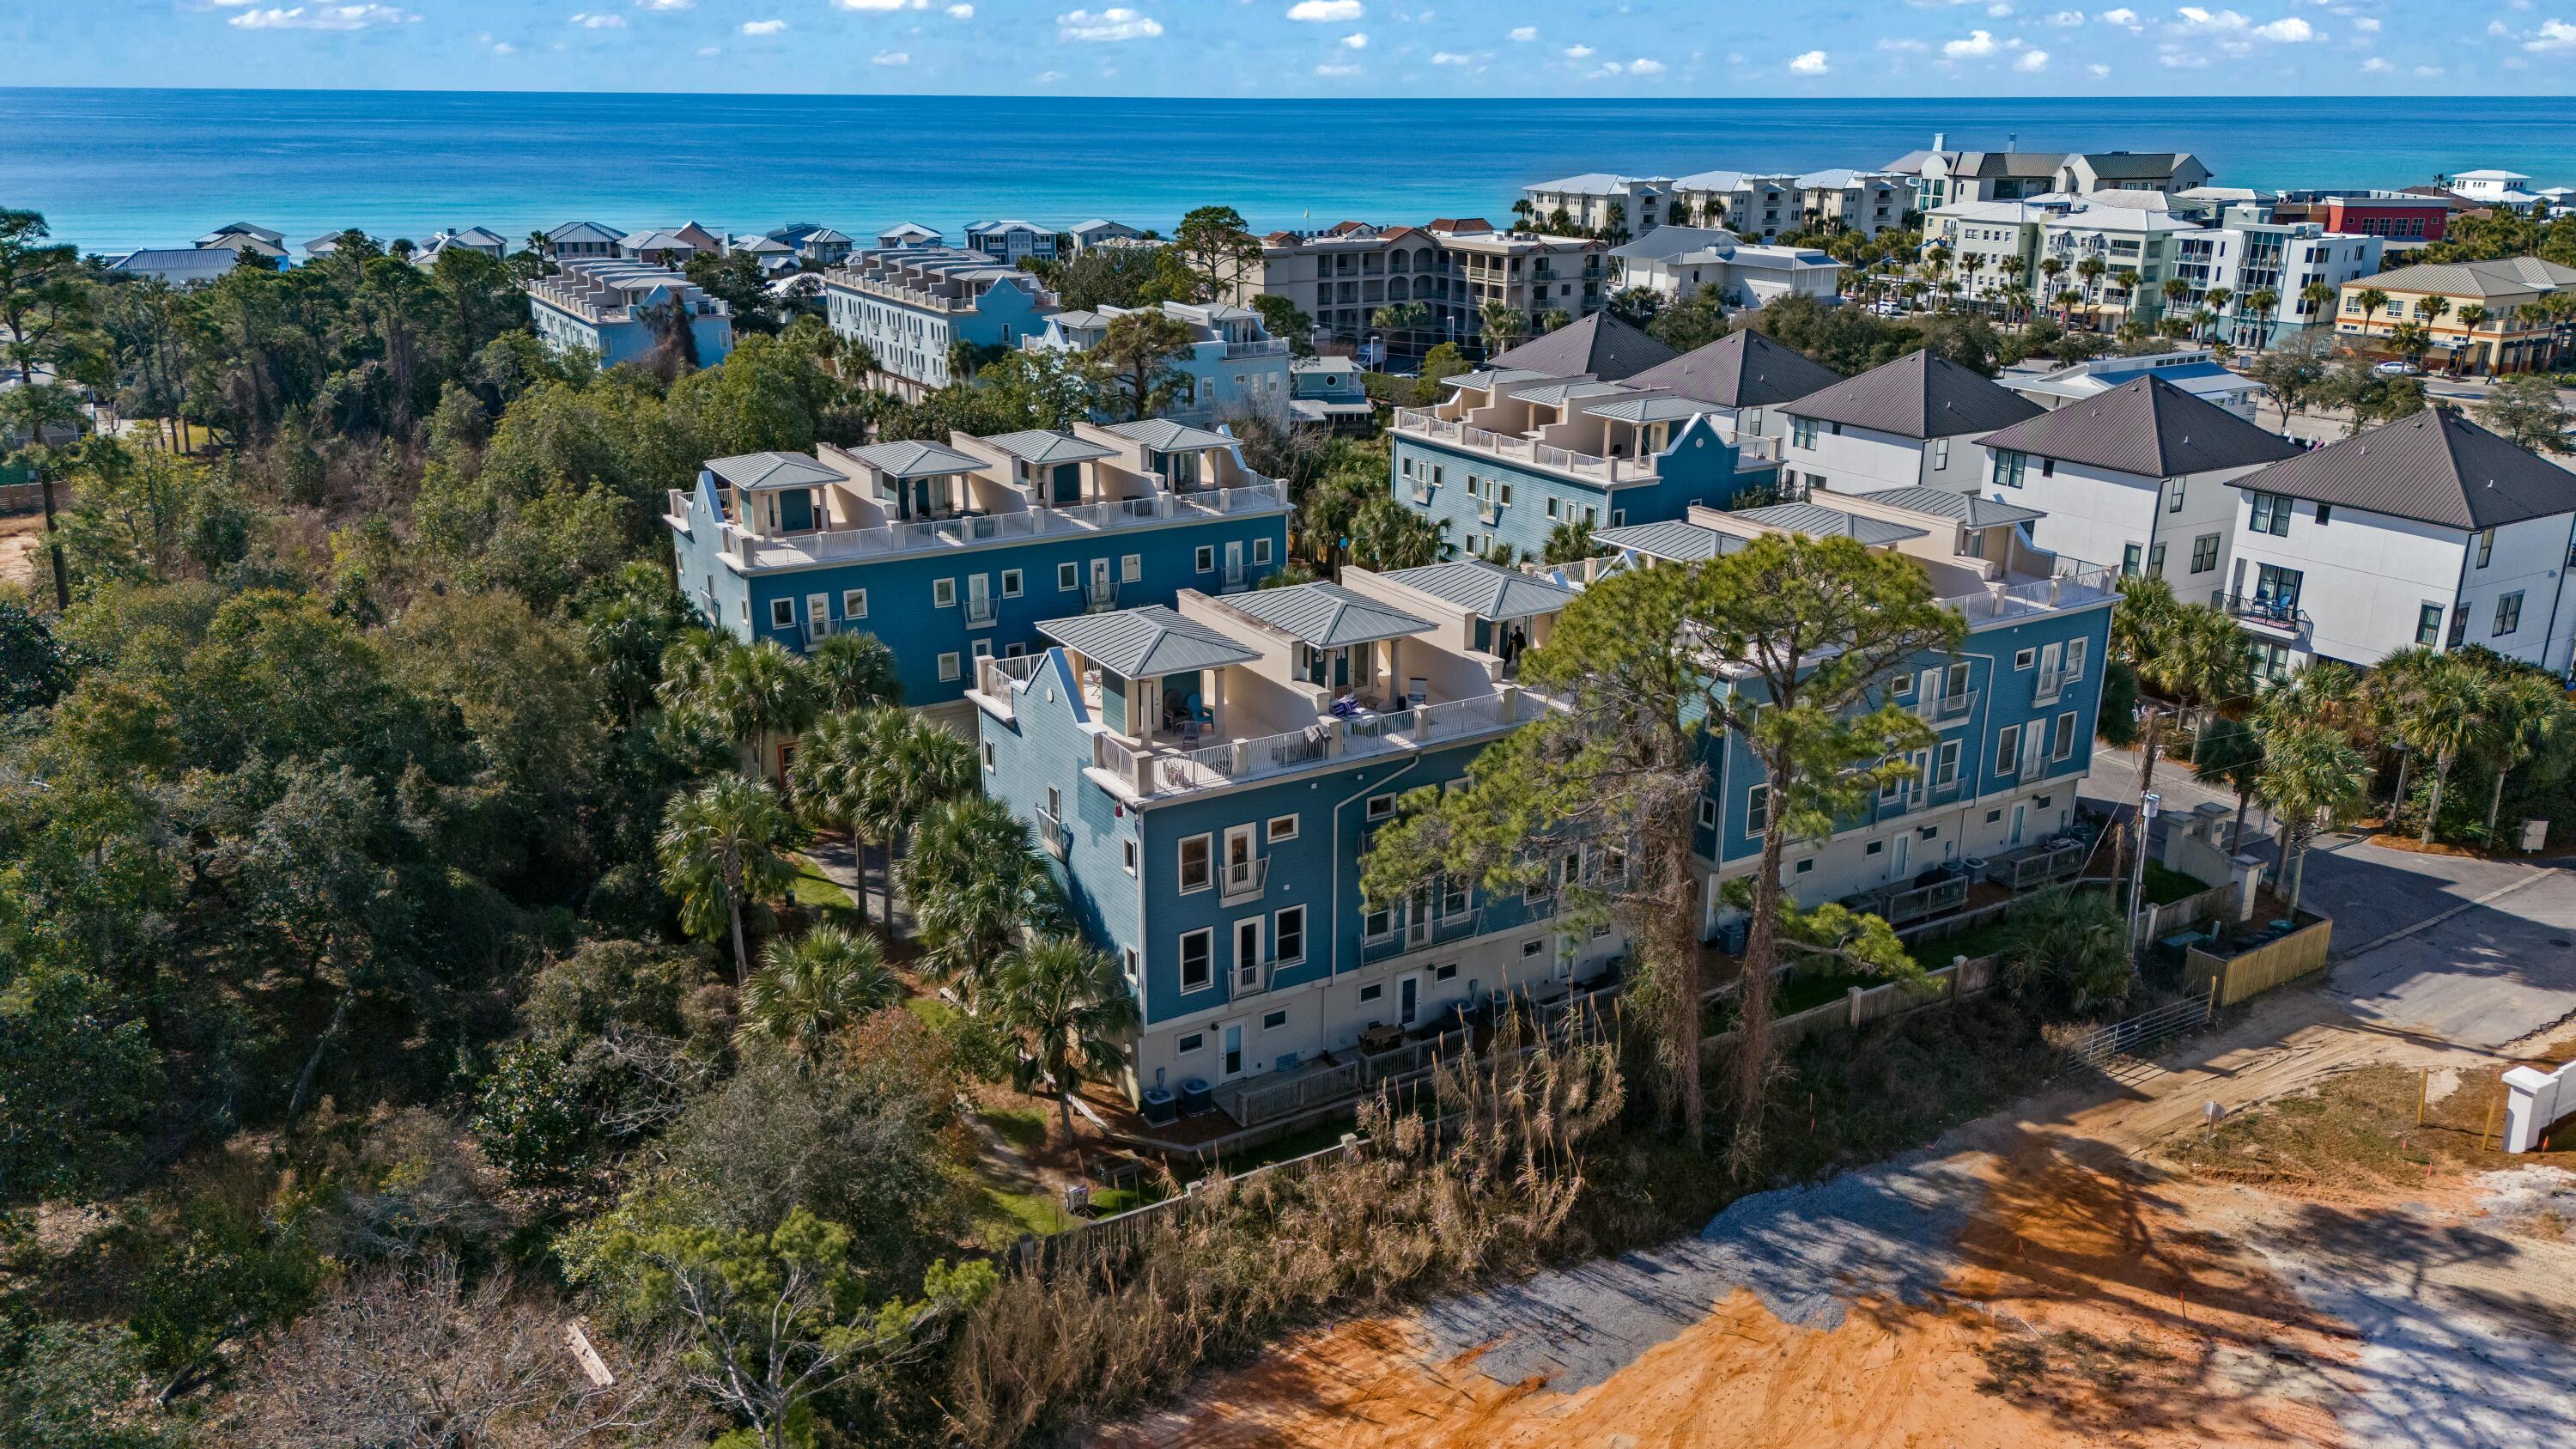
2138	865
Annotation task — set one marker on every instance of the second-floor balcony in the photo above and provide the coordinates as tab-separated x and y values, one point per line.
2264	611
754	551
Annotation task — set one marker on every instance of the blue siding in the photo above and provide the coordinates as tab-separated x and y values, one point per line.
1699	467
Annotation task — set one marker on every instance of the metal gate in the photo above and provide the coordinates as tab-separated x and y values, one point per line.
2139	1035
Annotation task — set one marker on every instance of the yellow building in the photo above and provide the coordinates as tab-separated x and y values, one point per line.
2484	319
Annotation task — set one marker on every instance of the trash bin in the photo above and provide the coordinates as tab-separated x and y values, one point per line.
1161	1107
1196	1098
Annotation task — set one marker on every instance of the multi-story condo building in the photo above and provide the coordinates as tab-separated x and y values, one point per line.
1913	422
1531	272
1676	261
1208	776
2014	705
2499	336
1868	202
1233	367
2430	530
2140	474
2138	246
2508	189
814	245
622	311
1599	201
2249	257
913	305
2196	370
1340	277
952	552
1941	177
1749	204
1099	231
1011	242
2399	219
582	241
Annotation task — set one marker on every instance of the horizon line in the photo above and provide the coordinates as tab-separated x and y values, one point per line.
1336	99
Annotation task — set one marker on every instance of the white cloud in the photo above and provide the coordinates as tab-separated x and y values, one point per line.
2098	68
666	4
891	57
1905	46
1115	23
2290	30
2066	19
1812	63
1578	52
599	22
2122	16
1329	69
1326	12
878	4
1046	77
1451	57
1356	40
2198	18
1998	10
503	47
2428	70
2032	61
1524	32
2367	24
705	51
1607	67
2552	35
961	12
763	27
2182	60
1978	43
2375	65
1645	67
322	17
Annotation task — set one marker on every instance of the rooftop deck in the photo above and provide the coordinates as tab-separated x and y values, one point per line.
819	546
1590	467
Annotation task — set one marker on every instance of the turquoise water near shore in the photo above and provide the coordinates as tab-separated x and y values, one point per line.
114	169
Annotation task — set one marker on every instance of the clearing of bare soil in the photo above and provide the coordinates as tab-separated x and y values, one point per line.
2083	1270
20	537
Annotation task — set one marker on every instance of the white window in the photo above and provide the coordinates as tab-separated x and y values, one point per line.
1131	567
1189	1042
1274	1020
1198	857
782	613
2025	658
2063	747
1288	936
1261	550
1068	577
1381	806
1198	960
1757	810
1206	560
990	762
1281	827
983	648
948	666
1372	992
854	603
1707	813
2008	750
1010	583
1130	963
943	593
1127	855
1940	451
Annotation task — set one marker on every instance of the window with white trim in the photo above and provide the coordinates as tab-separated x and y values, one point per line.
2063	746
1127	855
1757	810
1372	992
991	763
1010	583
1068	577
1198	863
782	613
1261	550
1131	567
1190	1041
2008	749
943	593
1274	1020
948	667
854	603
1381	807
1198	959
2025	658
1288	936
1205	560
1130	964
1281	827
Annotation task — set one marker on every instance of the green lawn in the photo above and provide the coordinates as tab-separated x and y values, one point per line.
2165	885
1025	1128
816	891
1982	939
1002	1216
932	1011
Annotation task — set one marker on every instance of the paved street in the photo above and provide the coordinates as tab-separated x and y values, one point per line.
2475	952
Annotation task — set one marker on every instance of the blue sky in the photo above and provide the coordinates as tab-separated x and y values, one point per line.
1308	47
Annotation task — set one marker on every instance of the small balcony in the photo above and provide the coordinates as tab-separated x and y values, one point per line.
1052	834
980	611
2263	611
1947	710
1243	880
1100	596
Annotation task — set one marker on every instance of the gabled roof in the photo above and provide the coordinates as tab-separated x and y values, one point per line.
908	228
1671	539
916	459
1966	508
2134	165
1918	395
2435	467
569	229
480	236
1815	520
1146	643
1600	344
2475	279
1486	377
1648	409
1165	436
1037	445
1745	369
1326	616
659	241
2147	428
1487	590
772	470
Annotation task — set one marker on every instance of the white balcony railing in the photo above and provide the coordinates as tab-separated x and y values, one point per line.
1051	833
1243	880
1147	770
830	545
1591	467
980	611
1265	347
1947	709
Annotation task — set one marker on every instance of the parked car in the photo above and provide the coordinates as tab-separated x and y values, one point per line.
2398	367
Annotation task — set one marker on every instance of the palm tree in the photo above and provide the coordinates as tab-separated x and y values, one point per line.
2066	300
2072	943
2313	780
806	991
1387	535
2532	720
2174	290
2319	296
2216	299
751	692
2449	719
1072	1013
975	881
834	773
1569	543
2093	270
2431	310
2472	317
1402	317
852	670
2371	299
2050	268
2260	302
721	848
2229	752
1503	323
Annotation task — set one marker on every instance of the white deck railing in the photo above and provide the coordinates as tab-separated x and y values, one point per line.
1419	422
827	545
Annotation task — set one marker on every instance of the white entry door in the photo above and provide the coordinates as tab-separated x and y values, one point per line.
1897	851
818	615
1230	1055
1234	563
2019	811
1408	999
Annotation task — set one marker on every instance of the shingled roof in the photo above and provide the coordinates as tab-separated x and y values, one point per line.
1600	344
1741	370
2435	467
1919	395
2147	428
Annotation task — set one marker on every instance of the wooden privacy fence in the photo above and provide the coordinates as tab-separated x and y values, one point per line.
2274	963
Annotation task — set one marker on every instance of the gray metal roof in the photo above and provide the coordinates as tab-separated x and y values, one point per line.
1648	409
1918	395
2146	428
1558	393
1745	369
2435	467
1600	344
1165	436
1967	508
1671	539
915	459
773	470
1817	521
1487	377
2477	279
1326	615
1146	643
1037	445
1487	590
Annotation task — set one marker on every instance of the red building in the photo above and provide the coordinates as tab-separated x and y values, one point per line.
2398	218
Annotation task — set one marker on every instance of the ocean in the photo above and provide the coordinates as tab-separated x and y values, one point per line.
117	169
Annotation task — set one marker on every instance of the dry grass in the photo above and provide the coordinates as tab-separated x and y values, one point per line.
2358	1134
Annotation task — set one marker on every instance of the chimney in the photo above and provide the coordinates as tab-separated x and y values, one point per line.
1940	141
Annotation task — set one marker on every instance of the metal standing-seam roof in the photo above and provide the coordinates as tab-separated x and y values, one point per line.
1918	395
1487	590
1745	369
1325	615
2146	428
914	459
773	470
1600	344
1671	539
1146	643
1965	508
1648	409
1165	436
2435	467
1815	520
1489	377
1037	445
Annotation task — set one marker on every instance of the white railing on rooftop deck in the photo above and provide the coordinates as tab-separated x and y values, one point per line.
1173	771
2071	584
1420	422
1264	347
893	538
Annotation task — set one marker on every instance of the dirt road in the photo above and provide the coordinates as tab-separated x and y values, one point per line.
2028	1281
